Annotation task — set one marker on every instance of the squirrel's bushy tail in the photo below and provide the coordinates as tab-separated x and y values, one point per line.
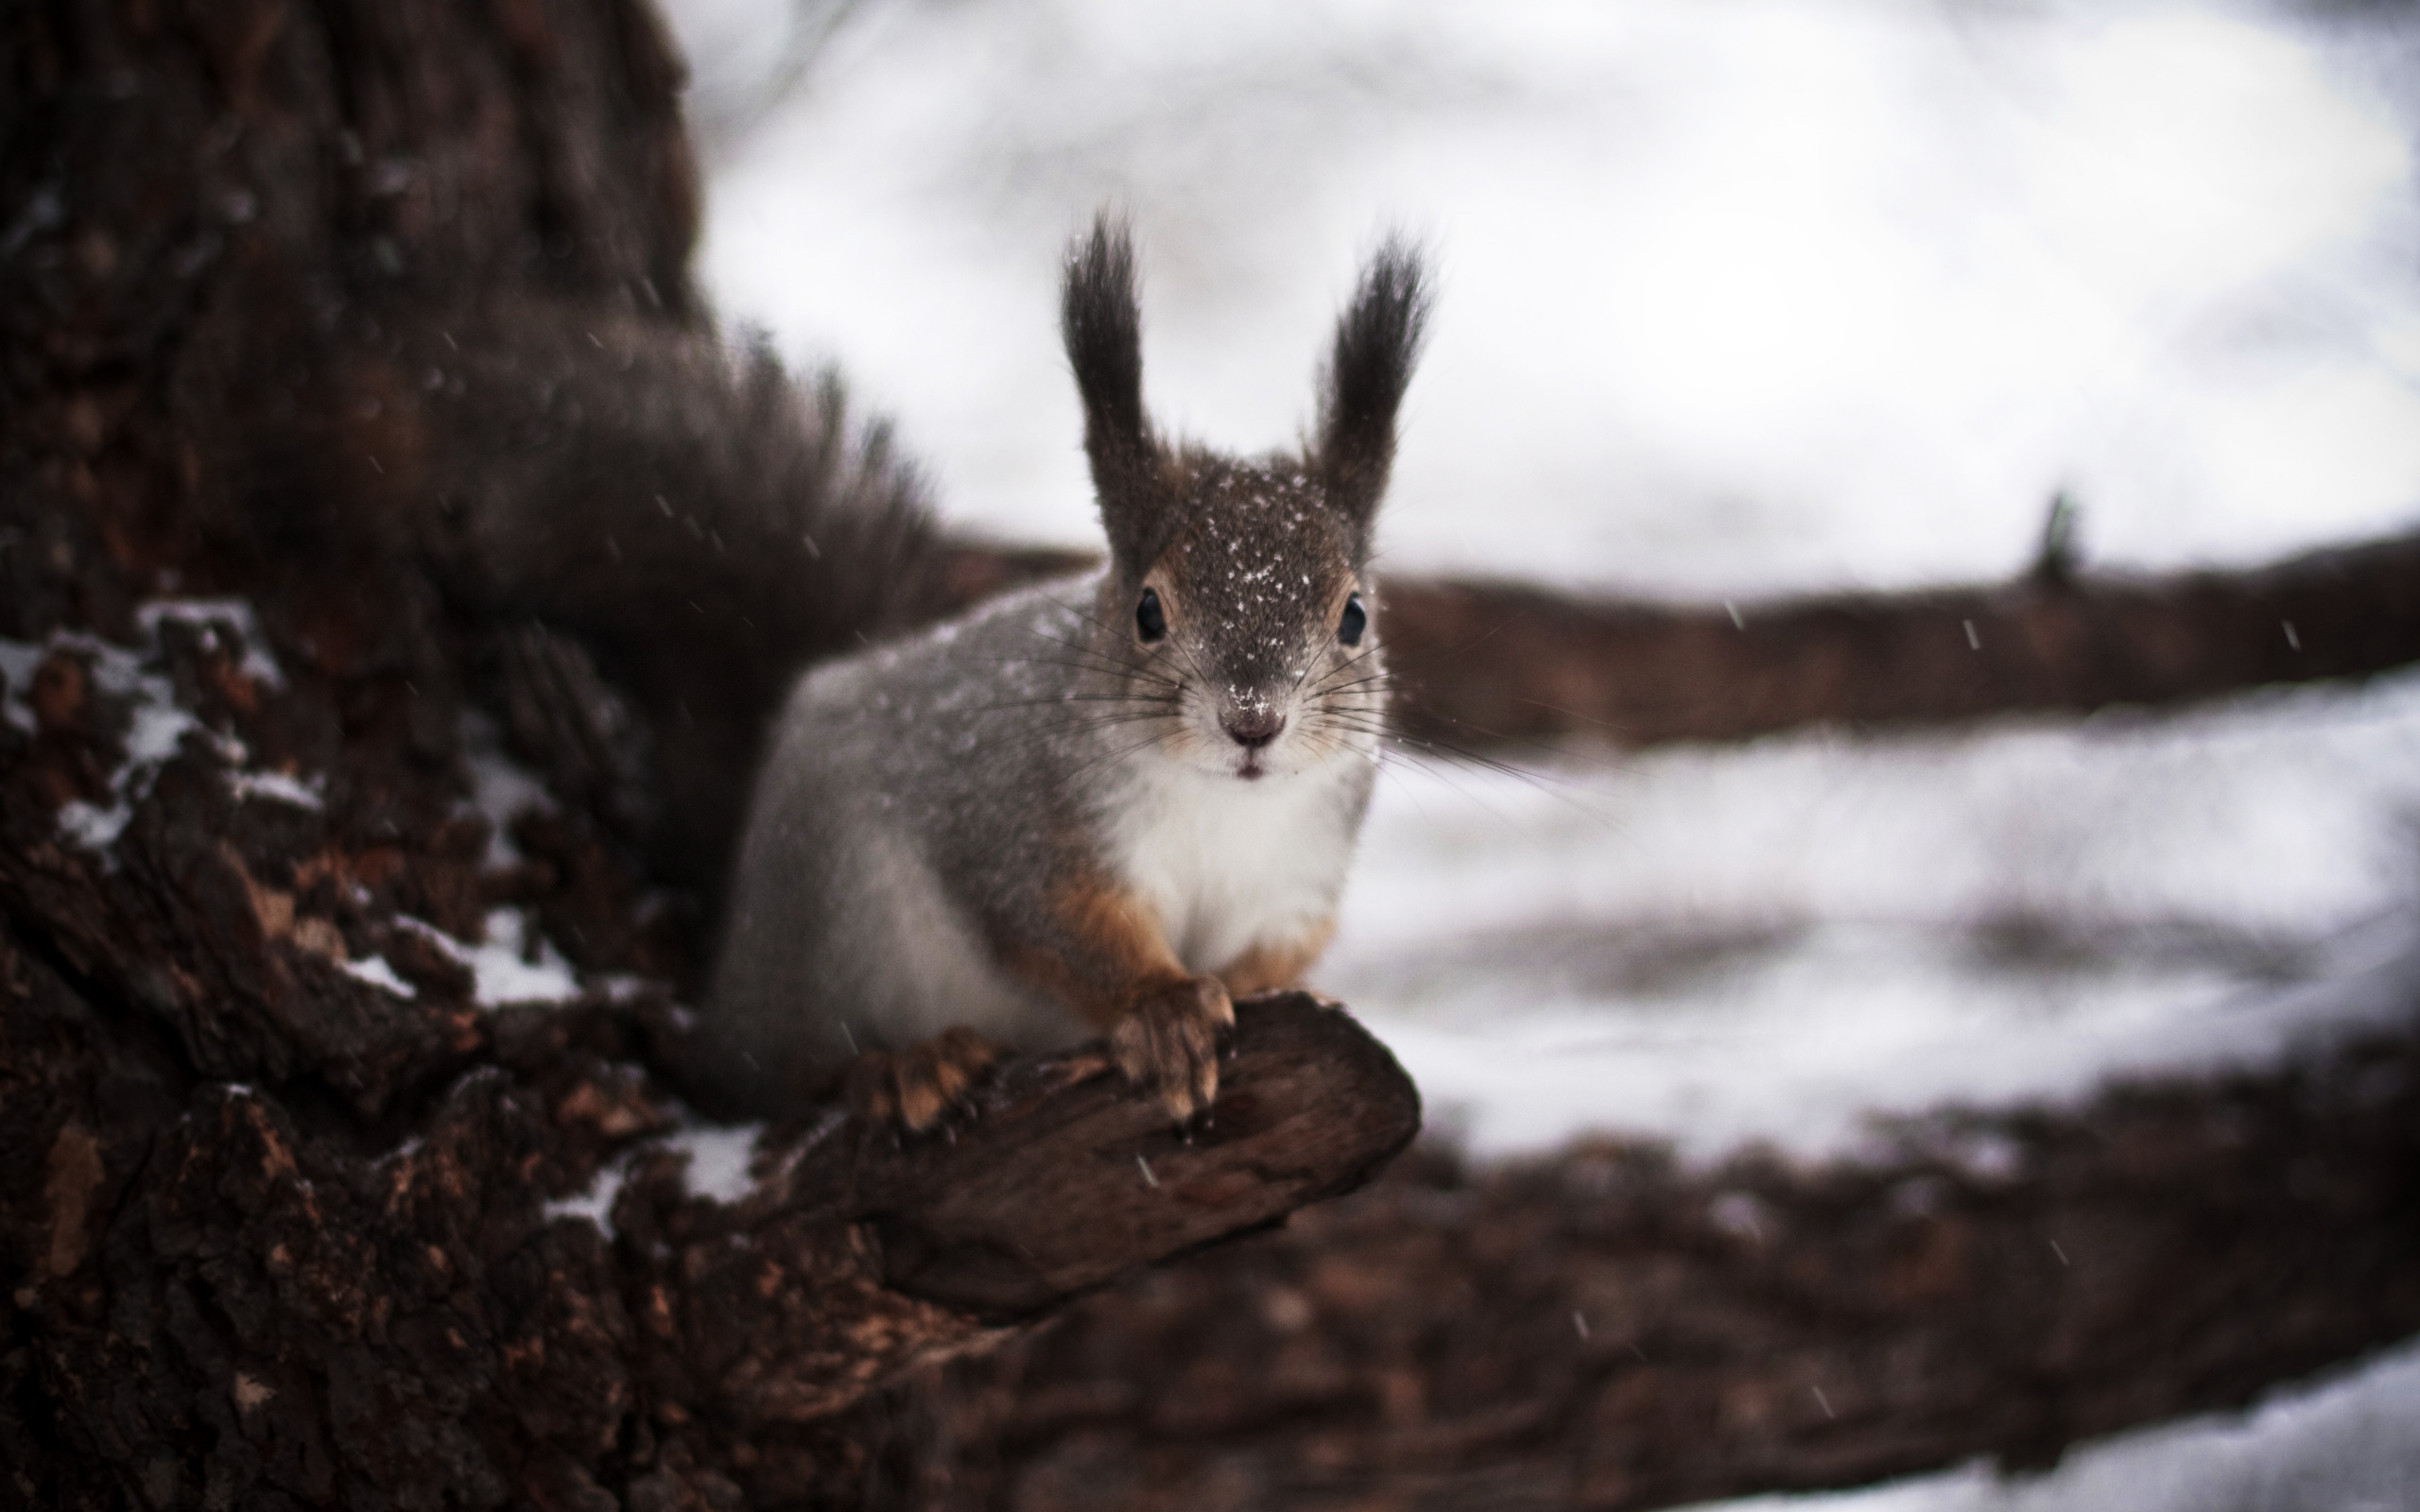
650	529
701	522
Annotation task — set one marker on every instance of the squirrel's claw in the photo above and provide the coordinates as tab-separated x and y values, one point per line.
1169	1042
913	1089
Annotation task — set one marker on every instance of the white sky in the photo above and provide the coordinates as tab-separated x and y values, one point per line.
1735	297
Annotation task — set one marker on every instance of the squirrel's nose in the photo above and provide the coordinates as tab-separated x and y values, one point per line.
1251	728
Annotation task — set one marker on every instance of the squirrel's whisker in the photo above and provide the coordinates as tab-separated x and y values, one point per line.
1113	664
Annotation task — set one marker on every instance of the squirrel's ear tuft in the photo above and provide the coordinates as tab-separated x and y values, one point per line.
1377	341
1101	322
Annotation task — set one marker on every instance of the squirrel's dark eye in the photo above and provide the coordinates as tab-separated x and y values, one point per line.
1148	617
1356	619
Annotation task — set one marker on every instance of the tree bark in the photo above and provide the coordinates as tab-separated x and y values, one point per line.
1486	664
256	1292
1609	1331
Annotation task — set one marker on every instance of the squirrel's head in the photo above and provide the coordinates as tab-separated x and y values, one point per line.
1239	589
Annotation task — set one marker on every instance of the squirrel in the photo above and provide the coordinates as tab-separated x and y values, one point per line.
1111	804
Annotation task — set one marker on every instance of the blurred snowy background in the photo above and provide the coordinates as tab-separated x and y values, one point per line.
1760	294
1737	299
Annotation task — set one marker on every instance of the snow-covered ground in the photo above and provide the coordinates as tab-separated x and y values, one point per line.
1736	299
2345	1445
1768	941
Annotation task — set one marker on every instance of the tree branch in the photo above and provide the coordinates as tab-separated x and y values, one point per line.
1488	662
1608	1330
1479	662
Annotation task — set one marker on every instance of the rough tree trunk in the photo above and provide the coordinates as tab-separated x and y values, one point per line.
318	315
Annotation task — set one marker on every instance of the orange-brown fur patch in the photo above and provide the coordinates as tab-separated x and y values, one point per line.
1121	954
918	1086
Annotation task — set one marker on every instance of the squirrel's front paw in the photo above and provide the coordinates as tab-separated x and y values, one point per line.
1170	1042
915	1088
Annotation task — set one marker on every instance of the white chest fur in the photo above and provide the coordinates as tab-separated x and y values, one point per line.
1229	863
